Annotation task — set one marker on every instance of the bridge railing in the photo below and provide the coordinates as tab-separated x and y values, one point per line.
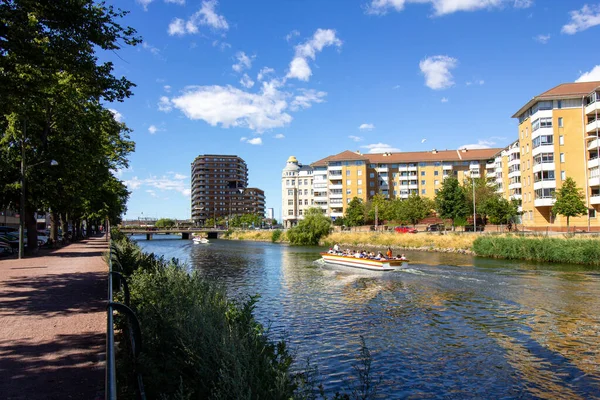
116	281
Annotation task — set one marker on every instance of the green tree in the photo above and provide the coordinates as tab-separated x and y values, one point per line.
378	207
484	191
499	210
451	201
165	223
309	231
569	201
414	209
355	213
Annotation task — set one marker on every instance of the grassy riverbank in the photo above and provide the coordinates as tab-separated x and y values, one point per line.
545	249
275	236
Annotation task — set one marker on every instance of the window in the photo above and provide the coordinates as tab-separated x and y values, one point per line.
371	175
372	192
526	132
348	191
371	184
394	165
347	172
359	172
290	192
527	148
358	163
287	182
422	173
559	105
306	192
561	140
290	212
372	165
305	202
436	191
592	213
422	183
359	182
422	191
436	173
299	212
563	175
359	191
543	140
348	201
560	122
348	181
436	182
562	157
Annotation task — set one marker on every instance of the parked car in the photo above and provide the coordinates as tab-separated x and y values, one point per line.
7	229
469	228
436	228
405	229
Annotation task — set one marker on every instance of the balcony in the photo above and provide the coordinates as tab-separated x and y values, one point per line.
320	185
382	169
320	198
544	185
547	166
336	186
447	167
593	126
514	161
412	168
515	196
593	163
542	148
513	186
335	168
546	202
413	186
595	181
404	177
595	199
594	143
335	195
592	108
336	214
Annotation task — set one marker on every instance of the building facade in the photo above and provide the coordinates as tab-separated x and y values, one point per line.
558	138
331	183
219	189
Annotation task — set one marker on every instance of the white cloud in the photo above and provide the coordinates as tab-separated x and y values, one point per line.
117	115
396	87
178	183
144	3
583	19
243	62
590	76
443	7
306	98
150	48
475	82
177	27
167	88
380	148
152	129
206	16
279	136
232	107
481	144
255	141
366	127
221	45
164	104
355	138
543	39
444	99
151	193
246	81
264	72
322	38
437	71
180	2
292	35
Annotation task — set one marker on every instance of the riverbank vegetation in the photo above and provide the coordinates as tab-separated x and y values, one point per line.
311	229
275	236
575	251
429	242
199	344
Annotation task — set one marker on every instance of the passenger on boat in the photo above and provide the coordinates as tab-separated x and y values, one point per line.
402	257
336	247
389	253
379	256
358	254
330	251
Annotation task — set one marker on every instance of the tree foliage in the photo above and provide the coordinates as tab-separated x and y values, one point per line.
499	210
451	201
309	231
569	201
355	213
165	223
378	207
414	209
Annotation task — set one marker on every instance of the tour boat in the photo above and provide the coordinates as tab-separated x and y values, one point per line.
200	240
364	263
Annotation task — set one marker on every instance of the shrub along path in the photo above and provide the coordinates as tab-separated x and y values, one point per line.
53	323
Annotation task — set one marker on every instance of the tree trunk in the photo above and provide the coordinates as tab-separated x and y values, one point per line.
64	226
31	226
54	220
567	224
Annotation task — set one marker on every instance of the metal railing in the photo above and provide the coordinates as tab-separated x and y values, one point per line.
133	332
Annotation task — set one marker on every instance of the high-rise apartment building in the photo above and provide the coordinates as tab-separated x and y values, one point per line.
219	189
331	183
558	138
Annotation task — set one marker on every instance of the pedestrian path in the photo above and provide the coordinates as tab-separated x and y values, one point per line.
53	323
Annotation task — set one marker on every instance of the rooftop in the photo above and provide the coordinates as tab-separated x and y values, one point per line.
562	91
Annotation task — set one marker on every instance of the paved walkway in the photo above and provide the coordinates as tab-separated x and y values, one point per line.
53	323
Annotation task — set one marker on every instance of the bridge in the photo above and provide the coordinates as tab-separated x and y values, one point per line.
186	234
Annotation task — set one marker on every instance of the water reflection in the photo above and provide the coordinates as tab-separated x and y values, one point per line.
448	326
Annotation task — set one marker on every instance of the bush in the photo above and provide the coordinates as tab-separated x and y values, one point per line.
276	235
311	229
576	251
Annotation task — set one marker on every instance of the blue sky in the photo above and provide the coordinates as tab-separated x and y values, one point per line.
272	78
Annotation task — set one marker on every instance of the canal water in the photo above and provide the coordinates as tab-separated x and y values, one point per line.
449	326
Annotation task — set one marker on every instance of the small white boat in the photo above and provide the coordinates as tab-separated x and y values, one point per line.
200	240
364	263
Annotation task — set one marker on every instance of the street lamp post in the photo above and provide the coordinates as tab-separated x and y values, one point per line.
474	212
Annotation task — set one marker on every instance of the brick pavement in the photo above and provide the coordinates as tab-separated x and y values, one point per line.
53	323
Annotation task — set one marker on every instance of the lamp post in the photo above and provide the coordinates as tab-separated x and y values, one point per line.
22	205
474	212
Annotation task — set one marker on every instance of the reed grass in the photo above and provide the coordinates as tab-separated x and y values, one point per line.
574	251
259	236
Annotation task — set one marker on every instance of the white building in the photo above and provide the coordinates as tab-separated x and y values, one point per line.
297	191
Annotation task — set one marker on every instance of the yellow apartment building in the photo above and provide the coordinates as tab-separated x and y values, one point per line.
558	138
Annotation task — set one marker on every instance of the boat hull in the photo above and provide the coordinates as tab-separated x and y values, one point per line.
363	263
